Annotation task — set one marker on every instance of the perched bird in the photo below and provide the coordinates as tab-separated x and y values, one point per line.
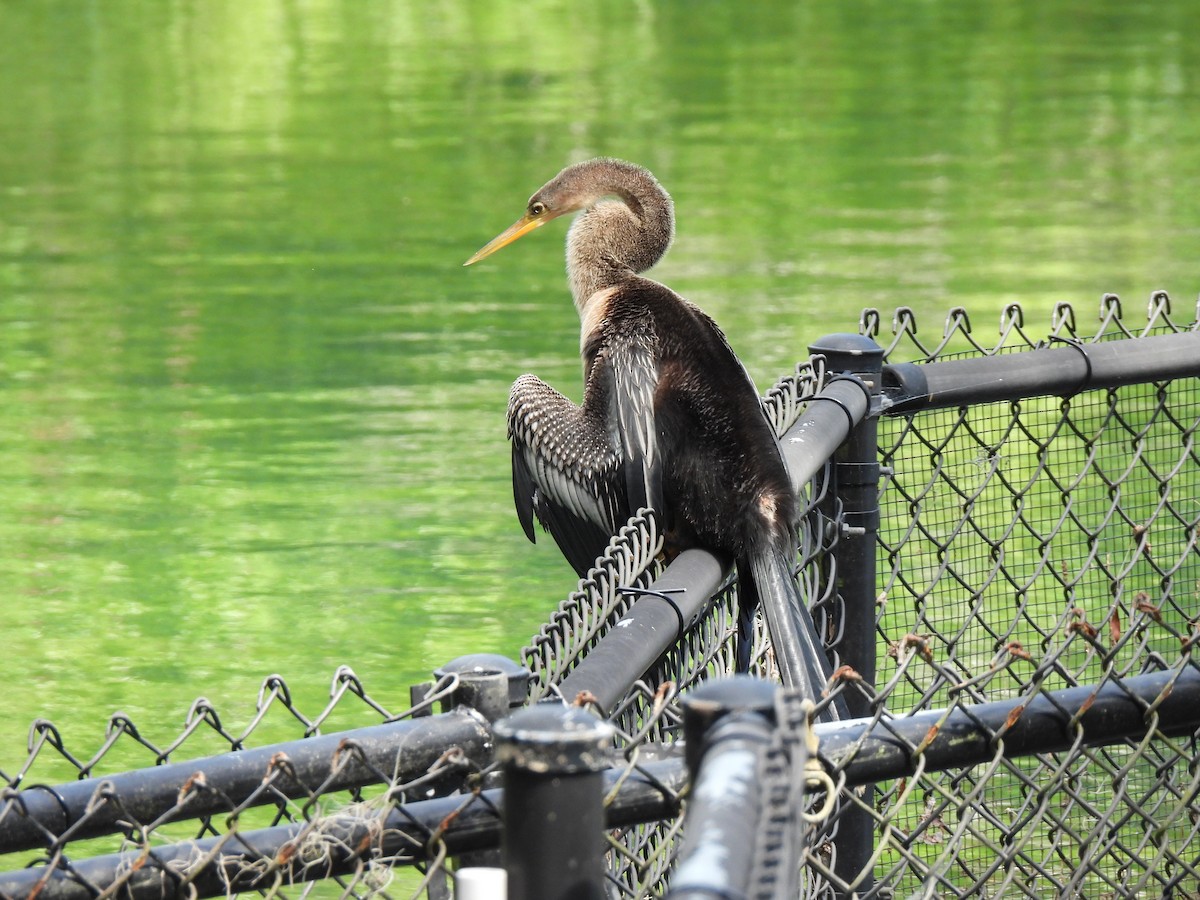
670	417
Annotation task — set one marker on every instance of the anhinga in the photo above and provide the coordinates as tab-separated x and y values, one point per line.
670	418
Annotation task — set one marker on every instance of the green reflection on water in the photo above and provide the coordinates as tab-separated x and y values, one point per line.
252	410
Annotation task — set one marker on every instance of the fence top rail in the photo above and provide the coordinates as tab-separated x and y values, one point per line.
177	791
1065	370
1166	703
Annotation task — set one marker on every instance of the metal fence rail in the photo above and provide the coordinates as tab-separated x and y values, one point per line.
1000	545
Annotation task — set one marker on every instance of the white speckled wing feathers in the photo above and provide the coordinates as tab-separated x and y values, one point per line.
634	373
566	472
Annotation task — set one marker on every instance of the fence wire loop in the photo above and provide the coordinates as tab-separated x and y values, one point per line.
816	779
1075	344
663	595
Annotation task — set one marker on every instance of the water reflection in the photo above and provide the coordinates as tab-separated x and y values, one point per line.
252	410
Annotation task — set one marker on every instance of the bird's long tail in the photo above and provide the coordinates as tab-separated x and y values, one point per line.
765	576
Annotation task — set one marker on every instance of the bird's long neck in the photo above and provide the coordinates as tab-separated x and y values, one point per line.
613	239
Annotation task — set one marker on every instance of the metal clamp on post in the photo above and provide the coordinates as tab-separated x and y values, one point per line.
860	477
489	683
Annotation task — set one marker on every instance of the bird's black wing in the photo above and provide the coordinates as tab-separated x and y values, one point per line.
566	472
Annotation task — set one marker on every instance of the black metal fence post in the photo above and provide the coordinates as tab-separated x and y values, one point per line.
553	837
727	725
856	486
490	684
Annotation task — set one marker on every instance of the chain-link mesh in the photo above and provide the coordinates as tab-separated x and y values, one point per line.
1024	547
604	595
329	823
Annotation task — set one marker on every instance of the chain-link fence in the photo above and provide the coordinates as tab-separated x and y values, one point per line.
1015	642
1028	546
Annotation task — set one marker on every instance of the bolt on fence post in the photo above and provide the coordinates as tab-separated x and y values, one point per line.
856	482
727	727
553	837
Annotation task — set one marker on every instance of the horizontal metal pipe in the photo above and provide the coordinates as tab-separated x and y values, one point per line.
827	421
1108	713
667	609
1061	372
339	845
35	815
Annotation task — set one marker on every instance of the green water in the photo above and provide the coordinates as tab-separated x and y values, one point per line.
252	407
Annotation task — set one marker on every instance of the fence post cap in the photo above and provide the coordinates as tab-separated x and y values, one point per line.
714	700
733	694
846	343
744	697
552	738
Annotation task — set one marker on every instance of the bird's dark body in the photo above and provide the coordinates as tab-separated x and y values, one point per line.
723	479
670	419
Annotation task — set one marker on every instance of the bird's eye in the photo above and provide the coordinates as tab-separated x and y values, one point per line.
536	209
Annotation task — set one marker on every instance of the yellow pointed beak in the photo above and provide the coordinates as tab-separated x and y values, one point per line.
521	227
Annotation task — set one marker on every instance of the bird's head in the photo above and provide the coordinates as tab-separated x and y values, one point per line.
543	206
630	233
